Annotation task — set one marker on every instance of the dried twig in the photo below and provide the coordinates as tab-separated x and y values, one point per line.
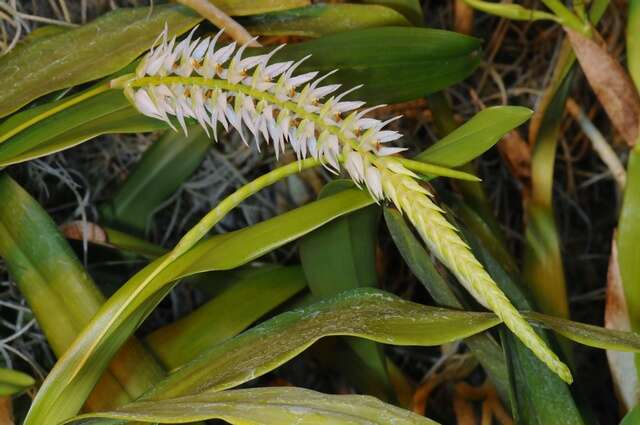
600	144
221	20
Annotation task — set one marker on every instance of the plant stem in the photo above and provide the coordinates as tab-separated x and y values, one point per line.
220	19
568	18
207	222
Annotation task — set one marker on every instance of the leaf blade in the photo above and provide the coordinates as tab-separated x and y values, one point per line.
268	406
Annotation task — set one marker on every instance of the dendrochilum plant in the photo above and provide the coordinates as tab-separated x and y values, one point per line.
213	85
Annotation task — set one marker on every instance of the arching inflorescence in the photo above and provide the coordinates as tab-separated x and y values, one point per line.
216	85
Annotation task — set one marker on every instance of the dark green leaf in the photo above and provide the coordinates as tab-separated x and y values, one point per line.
394	64
322	19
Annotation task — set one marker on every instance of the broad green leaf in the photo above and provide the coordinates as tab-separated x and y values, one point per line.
476	136
411	9
226	315
85	53
627	242
363	312
14	382
322	19
434	60
402	63
60	293
266	406
160	172
483	346
108	112
68	384
342	256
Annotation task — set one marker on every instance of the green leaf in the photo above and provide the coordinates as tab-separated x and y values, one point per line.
161	171
537	398
476	136
512	11
60	293
68	384
230	312
14	382
411	9
322	19
252	7
592	336
133	244
266	406
85	53
363	312
632	418
483	346
108	112
342	256
627	242
395	64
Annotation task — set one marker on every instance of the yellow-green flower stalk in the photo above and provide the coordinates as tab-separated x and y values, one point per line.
194	79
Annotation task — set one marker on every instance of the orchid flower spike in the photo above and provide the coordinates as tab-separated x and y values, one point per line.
265	102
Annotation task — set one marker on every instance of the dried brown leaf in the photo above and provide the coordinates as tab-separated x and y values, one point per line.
517	154
79	230
611	84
